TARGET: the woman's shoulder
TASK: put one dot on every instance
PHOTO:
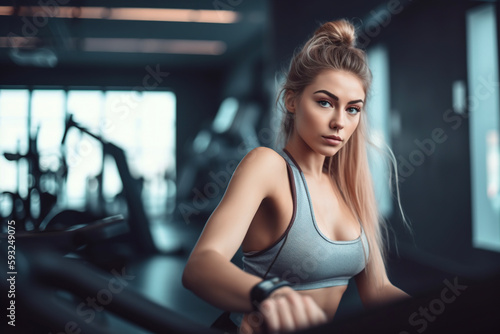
(263, 170)
(259, 173)
(262, 165)
(264, 158)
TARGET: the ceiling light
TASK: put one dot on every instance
(133, 14)
(19, 42)
(135, 45)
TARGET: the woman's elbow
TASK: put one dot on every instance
(188, 276)
(193, 271)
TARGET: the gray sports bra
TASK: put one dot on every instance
(303, 255)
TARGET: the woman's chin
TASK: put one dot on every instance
(329, 151)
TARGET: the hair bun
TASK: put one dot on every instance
(340, 32)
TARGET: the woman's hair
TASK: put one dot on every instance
(333, 47)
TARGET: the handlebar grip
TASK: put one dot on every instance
(13, 156)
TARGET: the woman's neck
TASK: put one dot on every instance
(310, 162)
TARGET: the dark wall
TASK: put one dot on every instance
(427, 50)
(435, 190)
(198, 99)
(427, 53)
(295, 21)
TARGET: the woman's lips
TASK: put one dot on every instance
(333, 140)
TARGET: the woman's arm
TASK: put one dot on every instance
(209, 272)
(374, 287)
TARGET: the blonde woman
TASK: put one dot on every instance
(305, 215)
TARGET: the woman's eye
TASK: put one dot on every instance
(353, 110)
(325, 104)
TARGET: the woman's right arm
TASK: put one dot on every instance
(209, 272)
(212, 276)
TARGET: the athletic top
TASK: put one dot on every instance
(303, 255)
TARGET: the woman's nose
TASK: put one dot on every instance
(338, 119)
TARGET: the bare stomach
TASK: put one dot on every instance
(328, 300)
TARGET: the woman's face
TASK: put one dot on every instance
(328, 111)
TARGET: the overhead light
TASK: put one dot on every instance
(136, 45)
(132, 14)
(132, 45)
(6, 10)
(19, 42)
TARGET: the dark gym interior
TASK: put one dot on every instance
(121, 123)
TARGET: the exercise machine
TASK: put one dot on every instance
(56, 291)
(138, 220)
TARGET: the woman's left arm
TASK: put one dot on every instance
(374, 287)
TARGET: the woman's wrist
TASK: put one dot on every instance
(281, 291)
(265, 289)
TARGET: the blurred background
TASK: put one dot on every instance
(141, 111)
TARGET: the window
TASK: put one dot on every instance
(378, 116)
(142, 124)
(482, 66)
(13, 138)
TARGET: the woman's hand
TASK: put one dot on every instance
(285, 310)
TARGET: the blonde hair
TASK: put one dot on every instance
(333, 46)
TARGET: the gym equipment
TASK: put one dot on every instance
(23, 210)
(69, 238)
(36, 211)
(216, 149)
(57, 293)
(137, 218)
(457, 306)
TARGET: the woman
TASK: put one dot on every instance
(305, 216)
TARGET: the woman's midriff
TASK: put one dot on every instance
(328, 300)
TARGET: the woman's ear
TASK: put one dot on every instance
(290, 101)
